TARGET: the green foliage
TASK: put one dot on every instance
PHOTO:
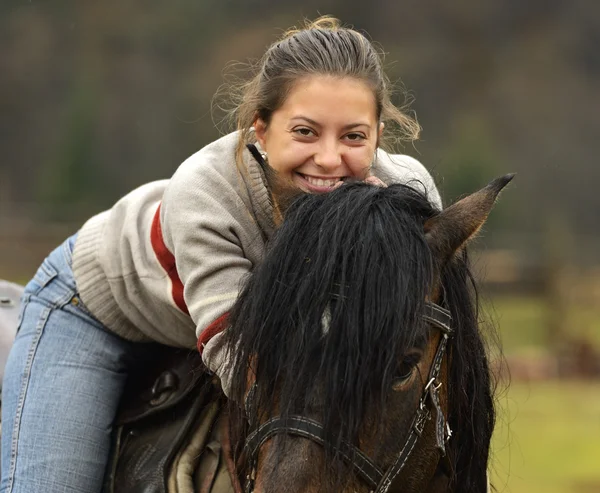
(68, 177)
(470, 162)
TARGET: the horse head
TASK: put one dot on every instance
(357, 351)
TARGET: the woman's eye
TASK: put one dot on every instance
(354, 137)
(304, 132)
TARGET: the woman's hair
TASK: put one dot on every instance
(322, 47)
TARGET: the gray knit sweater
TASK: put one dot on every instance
(169, 258)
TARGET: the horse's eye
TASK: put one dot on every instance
(406, 368)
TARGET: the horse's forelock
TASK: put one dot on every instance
(357, 255)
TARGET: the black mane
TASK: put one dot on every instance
(357, 257)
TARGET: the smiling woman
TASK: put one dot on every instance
(326, 131)
(166, 263)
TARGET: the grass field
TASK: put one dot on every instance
(548, 433)
(548, 438)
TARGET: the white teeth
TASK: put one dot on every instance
(318, 182)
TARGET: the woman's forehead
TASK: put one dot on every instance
(319, 99)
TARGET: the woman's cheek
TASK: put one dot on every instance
(293, 160)
(361, 169)
(359, 161)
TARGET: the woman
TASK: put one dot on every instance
(166, 263)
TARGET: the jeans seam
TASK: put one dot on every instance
(68, 254)
(22, 394)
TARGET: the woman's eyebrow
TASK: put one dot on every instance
(317, 124)
(306, 119)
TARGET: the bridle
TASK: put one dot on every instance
(379, 481)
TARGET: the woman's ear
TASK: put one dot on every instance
(260, 130)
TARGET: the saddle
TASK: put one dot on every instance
(171, 434)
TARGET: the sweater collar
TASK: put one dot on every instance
(260, 196)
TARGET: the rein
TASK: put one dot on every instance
(379, 481)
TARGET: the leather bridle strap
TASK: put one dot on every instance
(422, 415)
(307, 428)
(438, 316)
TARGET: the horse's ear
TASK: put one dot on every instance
(452, 228)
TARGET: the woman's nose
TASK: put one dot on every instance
(329, 156)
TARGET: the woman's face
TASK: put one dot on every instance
(325, 131)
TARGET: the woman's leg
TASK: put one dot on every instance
(62, 385)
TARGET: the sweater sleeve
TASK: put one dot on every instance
(205, 224)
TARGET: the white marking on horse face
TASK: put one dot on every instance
(326, 320)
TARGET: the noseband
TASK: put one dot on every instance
(379, 481)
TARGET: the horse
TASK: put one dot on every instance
(356, 348)
(357, 362)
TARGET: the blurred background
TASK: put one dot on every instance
(97, 98)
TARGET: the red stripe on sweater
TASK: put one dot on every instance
(212, 330)
(167, 262)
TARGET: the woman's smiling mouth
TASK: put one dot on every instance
(317, 184)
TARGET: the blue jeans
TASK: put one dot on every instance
(63, 380)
